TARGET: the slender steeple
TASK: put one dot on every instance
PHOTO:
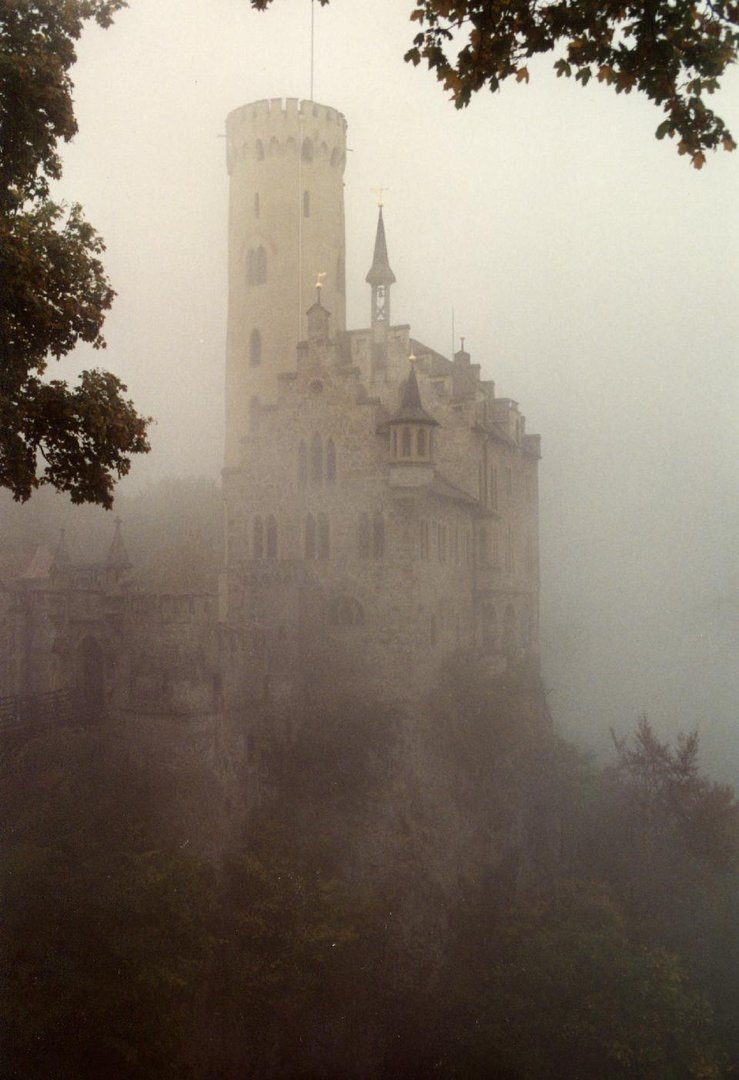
(118, 559)
(380, 277)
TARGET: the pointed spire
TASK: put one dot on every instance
(61, 555)
(117, 555)
(411, 408)
(380, 273)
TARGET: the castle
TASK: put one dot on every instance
(377, 494)
(380, 500)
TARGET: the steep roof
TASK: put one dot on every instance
(380, 273)
(117, 555)
(411, 410)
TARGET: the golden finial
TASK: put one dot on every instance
(378, 191)
(320, 275)
(412, 358)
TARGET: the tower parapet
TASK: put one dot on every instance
(286, 162)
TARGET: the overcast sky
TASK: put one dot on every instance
(593, 272)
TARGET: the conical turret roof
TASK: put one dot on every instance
(117, 555)
(411, 410)
(380, 272)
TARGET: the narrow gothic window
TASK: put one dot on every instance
(258, 546)
(509, 629)
(310, 537)
(509, 550)
(526, 634)
(256, 204)
(324, 543)
(489, 628)
(509, 481)
(302, 465)
(378, 537)
(424, 541)
(271, 538)
(421, 442)
(260, 266)
(395, 442)
(330, 462)
(442, 543)
(306, 204)
(340, 274)
(496, 548)
(494, 488)
(483, 546)
(363, 536)
(316, 461)
(406, 448)
(432, 630)
(255, 348)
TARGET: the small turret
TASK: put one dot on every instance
(411, 427)
(118, 560)
(318, 316)
(380, 277)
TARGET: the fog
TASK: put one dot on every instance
(592, 272)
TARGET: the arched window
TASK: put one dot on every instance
(344, 611)
(302, 465)
(509, 629)
(260, 150)
(433, 635)
(509, 558)
(256, 204)
(421, 442)
(341, 274)
(260, 266)
(258, 545)
(307, 150)
(271, 537)
(482, 540)
(306, 204)
(526, 629)
(378, 536)
(324, 539)
(489, 628)
(364, 536)
(406, 442)
(395, 442)
(330, 462)
(494, 487)
(255, 348)
(316, 461)
(310, 537)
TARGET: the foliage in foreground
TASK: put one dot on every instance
(673, 51)
(54, 291)
(125, 955)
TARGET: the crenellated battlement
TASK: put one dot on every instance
(284, 127)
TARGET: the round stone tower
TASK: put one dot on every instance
(286, 226)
